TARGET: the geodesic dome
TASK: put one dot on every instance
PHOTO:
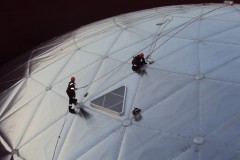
(189, 97)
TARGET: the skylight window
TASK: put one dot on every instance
(112, 102)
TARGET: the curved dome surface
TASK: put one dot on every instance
(189, 97)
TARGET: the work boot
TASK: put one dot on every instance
(76, 110)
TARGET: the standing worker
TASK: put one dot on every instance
(71, 94)
(138, 61)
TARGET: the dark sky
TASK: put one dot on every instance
(27, 23)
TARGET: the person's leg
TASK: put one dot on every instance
(70, 109)
(74, 99)
(136, 68)
(70, 95)
(142, 63)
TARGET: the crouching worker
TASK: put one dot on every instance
(138, 61)
(71, 94)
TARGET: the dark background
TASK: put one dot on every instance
(25, 24)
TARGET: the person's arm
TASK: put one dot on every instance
(75, 87)
(143, 59)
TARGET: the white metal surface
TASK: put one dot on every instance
(189, 97)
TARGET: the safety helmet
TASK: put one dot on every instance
(72, 78)
(141, 55)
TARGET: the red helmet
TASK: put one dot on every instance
(72, 78)
(141, 55)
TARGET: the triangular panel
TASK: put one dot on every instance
(211, 28)
(179, 109)
(229, 36)
(150, 25)
(7, 96)
(228, 72)
(219, 103)
(28, 92)
(128, 38)
(154, 143)
(129, 99)
(216, 152)
(79, 61)
(42, 146)
(212, 56)
(229, 13)
(126, 54)
(157, 86)
(107, 149)
(163, 46)
(226, 135)
(83, 77)
(102, 46)
(49, 74)
(110, 73)
(87, 131)
(52, 106)
(183, 61)
(39, 62)
(13, 128)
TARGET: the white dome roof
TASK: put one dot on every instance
(189, 97)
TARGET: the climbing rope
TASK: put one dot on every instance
(59, 136)
(187, 24)
(166, 22)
